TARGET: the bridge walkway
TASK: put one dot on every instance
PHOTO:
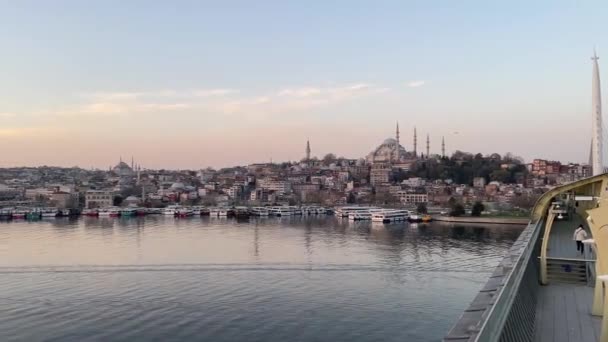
(561, 244)
(563, 314)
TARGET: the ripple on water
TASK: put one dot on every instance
(317, 279)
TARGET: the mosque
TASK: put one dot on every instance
(391, 151)
(123, 169)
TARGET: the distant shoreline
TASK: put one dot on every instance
(485, 220)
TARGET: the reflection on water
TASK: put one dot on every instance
(296, 279)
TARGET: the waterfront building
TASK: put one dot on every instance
(98, 199)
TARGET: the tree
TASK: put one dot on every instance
(457, 210)
(117, 201)
(421, 208)
(329, 158)
(350, 199)
(477, 209)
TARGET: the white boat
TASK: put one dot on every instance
(222, 212)
(19, 213)
(50, 212)
(184, 212)
(362, 215)
(345, 211)
(171, 210)
(109, 212)
(296, 211)
(259, 211)
(390, 215)
(281, 211)
(90, 212)
(196, 211)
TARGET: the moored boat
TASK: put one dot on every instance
(90, 212)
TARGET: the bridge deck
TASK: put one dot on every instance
(561, 244)
(563, 314)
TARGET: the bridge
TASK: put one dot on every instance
(544, 289)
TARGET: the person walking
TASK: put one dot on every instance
(579, 235)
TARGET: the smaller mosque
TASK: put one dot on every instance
(122, 169)
(391, 151)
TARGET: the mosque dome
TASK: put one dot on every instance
(390, 141)
(177, 185)
(122, 169)
(388, 151)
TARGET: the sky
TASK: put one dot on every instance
(192, 84)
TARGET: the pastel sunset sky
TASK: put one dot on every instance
(191, 84)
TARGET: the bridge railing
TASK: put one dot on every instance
(505, 308)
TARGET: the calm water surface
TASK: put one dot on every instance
(298, 279)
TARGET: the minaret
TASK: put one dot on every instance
(397, 149)
(415, 143)
(442, 147)
(132, 163)
(597, 166)
(428, 145)
(308, 150)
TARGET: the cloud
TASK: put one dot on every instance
(6, 115)
(214, 92)
(416, 84)
(103, 96)
(217, 100)
(27, 132)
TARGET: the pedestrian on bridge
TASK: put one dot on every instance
(579, 235)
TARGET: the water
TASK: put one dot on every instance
(299, 279)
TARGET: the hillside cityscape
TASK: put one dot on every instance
(388, 176)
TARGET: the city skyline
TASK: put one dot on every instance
(172, 86)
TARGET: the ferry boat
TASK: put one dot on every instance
(420, 218)
(64, 213)
(50, 212)
(19, 214)
(388, 216)
(345, 211)
(281, 211)
(184, 212)
(363, 215)
(196, 211)
(128, 212)
(90, 212)
(34, 214)
(259, 211)
(171, 210)
(6, 213)
(296, 211)
(109, 212)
